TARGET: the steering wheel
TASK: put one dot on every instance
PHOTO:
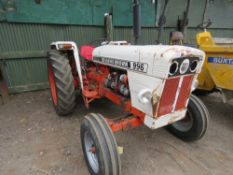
(97, 42)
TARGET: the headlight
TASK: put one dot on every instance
(173, 68)
(144, 96)
(184, 66)
(193, 66)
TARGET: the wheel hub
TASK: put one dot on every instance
(185, 124)
(90, 150)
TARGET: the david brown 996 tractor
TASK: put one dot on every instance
(152, 84)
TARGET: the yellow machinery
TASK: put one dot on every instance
(217, 72)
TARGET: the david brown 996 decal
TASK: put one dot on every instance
(136, 66)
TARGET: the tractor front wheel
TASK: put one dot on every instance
(99, 146)
(61, 83)
(194, 125)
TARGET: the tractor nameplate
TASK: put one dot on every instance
(136, 66)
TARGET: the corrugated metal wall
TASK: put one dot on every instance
(23, 48)
(25, 74)
(77, 12)
(23, 51)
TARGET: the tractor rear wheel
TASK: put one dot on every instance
(99, 146)
(61, 83)
(194, 125)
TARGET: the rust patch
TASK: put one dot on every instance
(183, 51)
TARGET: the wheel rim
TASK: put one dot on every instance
(52, 84)
(90, 151)
(185, 124)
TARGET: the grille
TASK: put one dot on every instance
(184, 92)
(168, 96)
(174, 96)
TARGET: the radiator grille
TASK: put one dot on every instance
(174, 96)
(184, 92)
(168, 96)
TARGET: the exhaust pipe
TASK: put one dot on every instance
(136, 20)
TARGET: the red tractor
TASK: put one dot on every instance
(152, 84)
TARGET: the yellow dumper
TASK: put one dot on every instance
(217, 72)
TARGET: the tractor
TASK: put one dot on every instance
(152, 84)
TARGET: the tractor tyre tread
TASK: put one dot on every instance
(64, 83)
(106, 143)
(201, 121)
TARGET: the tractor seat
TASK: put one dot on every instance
(176, 38)
(86, 52)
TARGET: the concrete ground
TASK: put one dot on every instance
(35, 141)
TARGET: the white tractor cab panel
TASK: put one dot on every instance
(149, 59)
(159, 77)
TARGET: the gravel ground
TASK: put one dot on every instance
(35, 141)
